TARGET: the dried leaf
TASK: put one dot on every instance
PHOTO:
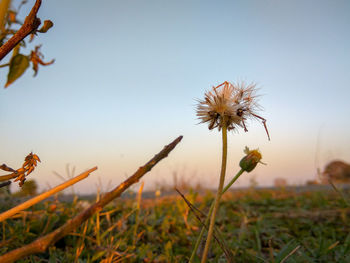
(47, 25)
(35, 58)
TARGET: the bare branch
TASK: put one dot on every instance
(31, 23)
(41, 244)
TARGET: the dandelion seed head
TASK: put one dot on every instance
(230, 103)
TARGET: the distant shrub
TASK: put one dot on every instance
(338, 171)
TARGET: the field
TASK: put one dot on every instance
(254, 225)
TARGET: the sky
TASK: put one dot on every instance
(127, 75)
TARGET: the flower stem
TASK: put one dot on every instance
(218, 193)
(209, 214)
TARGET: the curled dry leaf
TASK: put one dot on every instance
(36, 58)
(46, 26)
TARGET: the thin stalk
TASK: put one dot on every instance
(218, 193)
(97, 228)
(339, 192)
(209, 214)
(5, 184)
(4, 6)
(137, 214)
(8, 176)
(232, 181)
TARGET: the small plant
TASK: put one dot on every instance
(247, 164)
(227, 107)
(13, 39)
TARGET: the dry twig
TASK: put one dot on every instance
(42, 243)
(31, 23)
(45, 195)
(5, 184)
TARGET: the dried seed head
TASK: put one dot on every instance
(232, 103)
(30, 162)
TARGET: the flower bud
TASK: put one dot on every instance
(252, 158)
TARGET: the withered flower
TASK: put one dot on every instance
(232, 103)
(30, 162)
(227, 107)
(37, 59)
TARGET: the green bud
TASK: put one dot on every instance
(252, 158)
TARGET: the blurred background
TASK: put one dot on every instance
(127, 75)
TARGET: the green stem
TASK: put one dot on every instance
(218, 193)
(339, 192)
(232, 181)
(208, 216)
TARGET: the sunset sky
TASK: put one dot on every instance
(127, 75)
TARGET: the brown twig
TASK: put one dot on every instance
(31, 23)
(8, 176)
(291, 253)
(5, 184)
(41, 244)
(44, 195)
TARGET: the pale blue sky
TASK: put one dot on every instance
(127, 74)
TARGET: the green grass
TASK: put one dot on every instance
(257, 226)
